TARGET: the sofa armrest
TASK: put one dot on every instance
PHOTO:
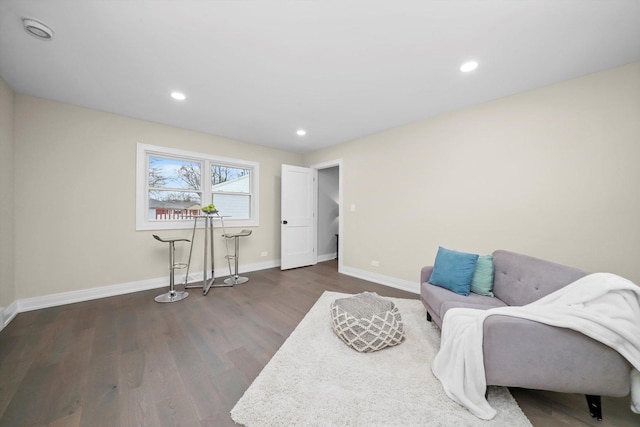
(425, 273)
(523, 353)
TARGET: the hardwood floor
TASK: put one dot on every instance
(129, 361)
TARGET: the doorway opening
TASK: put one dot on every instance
(329, 212)
(305, 215)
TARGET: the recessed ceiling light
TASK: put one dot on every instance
(301, 132)
(468, 66)
(37, 29)
(179, 96)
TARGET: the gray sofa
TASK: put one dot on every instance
(523, 353)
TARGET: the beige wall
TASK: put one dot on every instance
(7, 288)
(75, 198)
(552, 173)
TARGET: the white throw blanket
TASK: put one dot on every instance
(602, 306)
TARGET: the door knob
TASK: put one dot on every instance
(285, 222)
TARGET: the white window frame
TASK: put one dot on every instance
(142, 190)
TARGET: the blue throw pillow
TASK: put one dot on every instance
(453, 270)
(482, 281)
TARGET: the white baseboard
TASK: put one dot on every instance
(8, 314)
(405, 285)
(224, 271)
(62, 298)
(327, 257)
(45, 301)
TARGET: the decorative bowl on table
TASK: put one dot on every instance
(209, 210)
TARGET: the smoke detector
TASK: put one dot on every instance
(37, 29)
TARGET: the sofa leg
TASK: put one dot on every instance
(595, 406)
(428, 317)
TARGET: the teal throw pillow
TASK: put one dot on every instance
(482, 281)
(453, 270)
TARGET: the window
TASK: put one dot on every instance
(172, 185)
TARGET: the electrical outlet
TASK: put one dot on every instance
(375, 263)
(263, 253)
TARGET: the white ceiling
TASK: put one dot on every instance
(256, 71)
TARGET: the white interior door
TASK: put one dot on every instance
(298, 221)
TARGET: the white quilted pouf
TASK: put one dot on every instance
(367, 322)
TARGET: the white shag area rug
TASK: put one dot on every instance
(316, 380)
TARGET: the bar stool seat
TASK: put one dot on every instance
(235, 279)
(172, 295)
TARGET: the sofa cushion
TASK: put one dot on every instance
(436, 297)
(521, 279)
(453, 270)
(478, 305)
(482, 282)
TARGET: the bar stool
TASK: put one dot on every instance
(172, 295)
(235, 279)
